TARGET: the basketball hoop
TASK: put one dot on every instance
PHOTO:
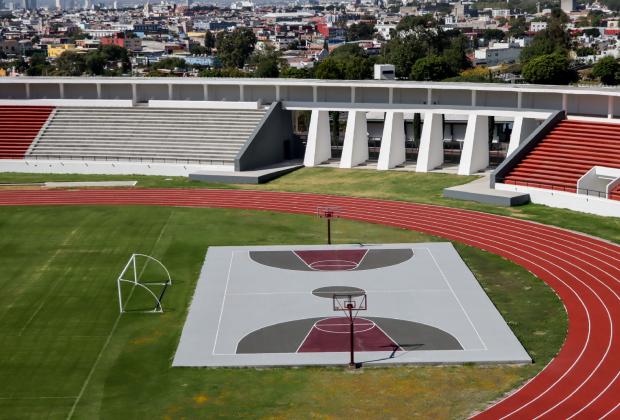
(350, 304)
(328, 213)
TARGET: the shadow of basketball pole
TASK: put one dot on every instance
(406, 347)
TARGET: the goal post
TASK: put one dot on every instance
(132, 273)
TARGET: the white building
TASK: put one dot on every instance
(384, 29)
(497, 53)
(538, 26)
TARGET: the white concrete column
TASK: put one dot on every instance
(473, 97)
(205, 91)
(352, 94)
(610, 106)
(27, 90)
(521, 129)
(392, 151)
(278, 96)
(565, 102)
(318, 146)
(134, 93)
(170, 92)
(241, 93)
(475, 153)
(429, 96)
(355, 148)
(519, 100)
(315, 94)
(99, 91)
(390, 95)
(61, 90)
(430, 154)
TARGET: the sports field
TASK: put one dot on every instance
(68, 353)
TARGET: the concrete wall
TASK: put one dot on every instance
(108, 168)
(272, 142)
(565, 200)
(575, 100)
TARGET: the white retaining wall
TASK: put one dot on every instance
(105, 168)
(566, 200)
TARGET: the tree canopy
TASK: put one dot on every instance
(607, 70)
(348, 62)
(234, 48)
(431, 68)
(360, 31)
(551, 69)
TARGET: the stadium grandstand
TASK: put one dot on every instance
(558, 146)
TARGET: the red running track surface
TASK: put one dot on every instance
(581, 382)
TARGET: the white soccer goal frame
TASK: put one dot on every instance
(131, 264)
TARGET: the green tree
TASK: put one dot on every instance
(493, 34)
(594, 32)
(266, 63)
(554, 39)
(95, 63)
(235, 48)
(70, 63)
(328, 69)
(456, 54)
(360, 31)
(518, 27)
(607, 70)
(348, 62)
(431, 68)
(38, 65)
(551, 69)
(209, 42)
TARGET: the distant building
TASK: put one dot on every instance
(567, 6)
(497, 53)
(384, 29)
(121, 40)
(384, 72)
(538, 26)
(30, 4)
(55, 50)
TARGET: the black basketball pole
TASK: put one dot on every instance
(329, 231)
(351, 336)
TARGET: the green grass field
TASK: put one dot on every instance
(66, 352)
(393, 185)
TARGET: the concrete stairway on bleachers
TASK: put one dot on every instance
(19, 126)
(197, 136)
(570, 150)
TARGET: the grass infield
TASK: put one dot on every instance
(66, 352)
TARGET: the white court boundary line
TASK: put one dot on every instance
(219, 322)
(445, 279)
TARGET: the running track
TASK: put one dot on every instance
(581, 382)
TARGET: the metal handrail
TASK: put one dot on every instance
(555, 187)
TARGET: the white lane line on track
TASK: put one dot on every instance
(610, 411)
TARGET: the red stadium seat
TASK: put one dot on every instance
(570, 150)
(19, 126)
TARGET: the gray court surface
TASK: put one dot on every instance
(272, 306)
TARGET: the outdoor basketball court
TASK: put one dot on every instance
(273, 305)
